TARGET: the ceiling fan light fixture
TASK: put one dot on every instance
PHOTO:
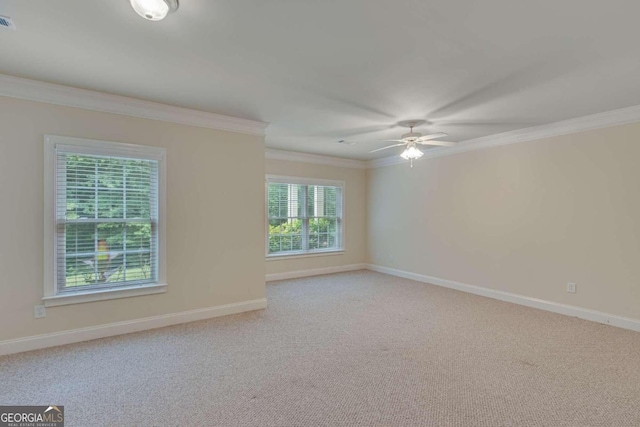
(411, 153)
(154, 10)
(411, 139)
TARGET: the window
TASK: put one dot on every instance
(304, 216)
(103, 221)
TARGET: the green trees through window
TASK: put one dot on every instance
(304, 218)
(107, 219)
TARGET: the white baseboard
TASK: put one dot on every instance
(314, 272)
(568, 310)
(101, 331)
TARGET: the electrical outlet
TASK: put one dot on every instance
(571, 288)
(39, 311)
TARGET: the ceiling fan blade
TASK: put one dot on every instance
(439, 143)
(384, 148)
(393, 140)
(432, 136)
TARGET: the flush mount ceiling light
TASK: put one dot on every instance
(154, 10)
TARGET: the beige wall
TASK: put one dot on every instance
(354, 209)
(215, 210)
(524, 218)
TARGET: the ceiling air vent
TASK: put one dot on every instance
(6, 22)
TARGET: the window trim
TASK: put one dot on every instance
(281, 179)
(96, 147)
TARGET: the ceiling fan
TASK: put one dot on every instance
(412, 139)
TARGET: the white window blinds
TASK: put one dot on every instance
(106, 209)
(303, 217)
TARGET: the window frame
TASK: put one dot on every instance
(52, 296)
(280, 179)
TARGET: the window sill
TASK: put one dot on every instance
(104, 294)
(277, 257)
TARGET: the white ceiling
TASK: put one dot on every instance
(325, 70)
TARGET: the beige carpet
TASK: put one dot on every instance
(353, 349)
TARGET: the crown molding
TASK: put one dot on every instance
(387, 161)
(581, 124)
(317, 159)
(33, 90)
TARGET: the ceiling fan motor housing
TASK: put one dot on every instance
(411, 136)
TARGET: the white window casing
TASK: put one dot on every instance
(304, 217)
(115, 248)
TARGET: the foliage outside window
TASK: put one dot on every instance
(106, 212)
(303, 218)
